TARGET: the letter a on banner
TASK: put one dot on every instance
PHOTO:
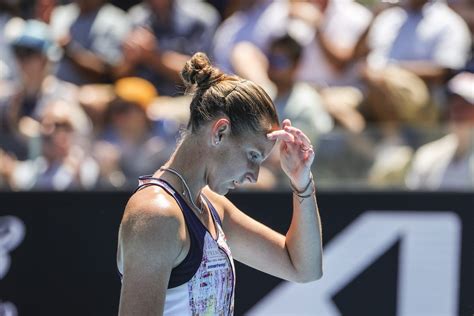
(429, 265)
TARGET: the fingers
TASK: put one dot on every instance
(293, 139)
(291, 135)
(301, 138)
(281, 135)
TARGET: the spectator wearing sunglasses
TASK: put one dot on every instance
(293, 98)
(64, 162)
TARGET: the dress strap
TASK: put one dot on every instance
(214, 213)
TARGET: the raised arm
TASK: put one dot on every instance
(298, 255)
(149, 244)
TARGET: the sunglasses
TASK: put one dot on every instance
(279, 61)
(51, 127)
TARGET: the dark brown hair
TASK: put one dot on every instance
(246, 104)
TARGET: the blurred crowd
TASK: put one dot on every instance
(91, 98)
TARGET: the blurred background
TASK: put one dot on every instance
(91, 98)
(90, 94)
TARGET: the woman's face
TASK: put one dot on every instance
(237, 160)
(57, 134)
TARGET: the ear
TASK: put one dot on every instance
(220, 129)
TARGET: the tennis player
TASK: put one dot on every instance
(179, 233)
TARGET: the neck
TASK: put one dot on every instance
(185, 160)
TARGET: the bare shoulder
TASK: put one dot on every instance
(151, 218)
(152, 205)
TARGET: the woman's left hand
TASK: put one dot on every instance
(296, 153)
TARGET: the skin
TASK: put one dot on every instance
(153, 238)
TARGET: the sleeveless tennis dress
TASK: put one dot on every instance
(204, 282)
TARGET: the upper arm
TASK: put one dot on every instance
(246, 237)
(150, 243)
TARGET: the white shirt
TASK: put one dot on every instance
(435, 34)
(434, 167)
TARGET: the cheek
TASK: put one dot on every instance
(232, 164)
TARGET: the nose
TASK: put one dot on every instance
(252, 175)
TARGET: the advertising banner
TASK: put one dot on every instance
(385, 253)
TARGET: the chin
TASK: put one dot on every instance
(223, 190)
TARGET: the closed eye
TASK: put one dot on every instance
(254, 156)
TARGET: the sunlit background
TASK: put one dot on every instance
(90, 94)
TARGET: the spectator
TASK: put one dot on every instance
(90, 33)
(129, 146)
(448, 163)
(165, 34)
(64, 162)
(294, 99)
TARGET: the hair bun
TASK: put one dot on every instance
(199, 70)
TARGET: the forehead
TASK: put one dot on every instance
(257, 141)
